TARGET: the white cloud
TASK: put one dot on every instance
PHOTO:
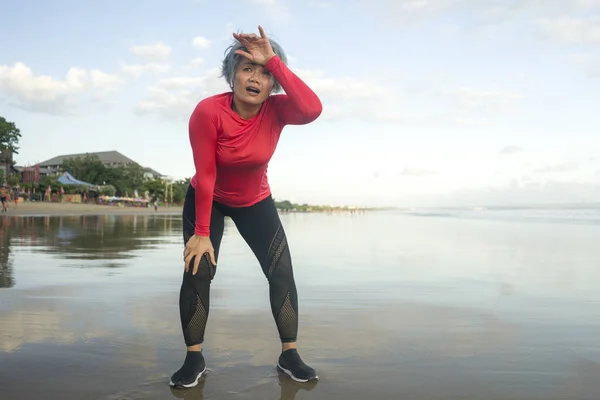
(196, 62)
(566, 166)
(76, 77)
(507, 150)
(370, 100)
(346, 98)
(472, 97)
(478, 179)
(467, 105)
(349, 97)
(588, 63)
(539, 167)
(176, 97)
(152, 53)
(45, 94)
(137, 70)
(321, 4)
(192, 65)
(571, 30)
(200, 42)
(152, 58)
(582, 59)
(278, 10)
(267, 2)
(417, 172)
(103, 80)
(414, 11)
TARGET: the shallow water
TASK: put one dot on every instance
(393, 306)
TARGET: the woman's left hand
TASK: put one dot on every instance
(259, 48)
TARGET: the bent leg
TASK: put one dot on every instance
(261, 228)
(194, 296)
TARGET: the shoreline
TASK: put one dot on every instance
(60, 209)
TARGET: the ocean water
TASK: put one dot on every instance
(420, 304)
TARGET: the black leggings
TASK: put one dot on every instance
(261, 228)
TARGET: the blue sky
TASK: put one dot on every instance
(448, 102)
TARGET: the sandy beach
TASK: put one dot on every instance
(45, 208)
(391, 307)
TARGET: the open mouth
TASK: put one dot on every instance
(252, 90)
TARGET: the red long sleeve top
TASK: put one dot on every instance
(231, 154)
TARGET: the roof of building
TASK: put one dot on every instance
(104, 156)
(152, 171)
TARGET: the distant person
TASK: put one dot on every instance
(155, 205)
(4, 199)
(235, 134)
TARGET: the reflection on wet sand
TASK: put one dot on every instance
(288, 389)
(6, 274)
(276, 387)
(91, 237)
(117, 336)
(132, 343)
(107, 237)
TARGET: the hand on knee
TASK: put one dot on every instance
(205, 268)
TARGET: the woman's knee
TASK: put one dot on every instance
(205, 271)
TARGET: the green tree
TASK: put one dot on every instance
(284, 205)
(126, 179)
(180, 188)
(9, 136)
(12, 180)
(155, 189)
(108, 190)
(48, 181)
(134, 175)
(88, 169)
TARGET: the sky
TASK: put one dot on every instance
(426, 102)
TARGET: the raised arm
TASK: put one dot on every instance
(300, 105)
(203, 138)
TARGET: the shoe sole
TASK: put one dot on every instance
(190, 385)
(289, 373)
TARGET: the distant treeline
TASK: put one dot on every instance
(286, 205)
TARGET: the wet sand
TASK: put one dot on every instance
(457, 310)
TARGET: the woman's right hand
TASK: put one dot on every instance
(197, 246)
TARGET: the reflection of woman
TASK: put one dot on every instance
(233, 136)
(288, 390)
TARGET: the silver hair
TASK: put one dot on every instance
(232, 61)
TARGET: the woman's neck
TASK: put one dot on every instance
(244, 110)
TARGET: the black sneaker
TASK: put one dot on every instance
(192, 370)
(291, 364)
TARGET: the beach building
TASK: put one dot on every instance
(111, 158)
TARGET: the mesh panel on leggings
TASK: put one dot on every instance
(287, 320)
(194, 301)
(282, 288)
(276, 249)
(194, 330)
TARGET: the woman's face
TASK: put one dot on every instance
(253, 83)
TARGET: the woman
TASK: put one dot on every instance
(233, 136)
